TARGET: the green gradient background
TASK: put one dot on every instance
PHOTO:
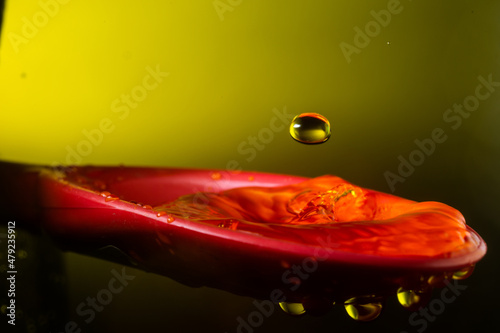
(225, 79)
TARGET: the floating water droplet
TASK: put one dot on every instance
(294, 309)
(464, 273)
(310, 128)
(363, 308)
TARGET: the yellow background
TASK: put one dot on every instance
(225, 79)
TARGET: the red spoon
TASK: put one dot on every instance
(246, 240)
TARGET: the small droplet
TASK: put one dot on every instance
(437, 281)
(104, 194)
(170, 219)
(363, 308)
(412, 299)
(111, 197)
(229, 224)
(464, 273)
(147, 207)
(310, 128)
(161, 213)
(216, 175)
(294, 309)
(251, 178)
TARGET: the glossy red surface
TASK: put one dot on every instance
(86, 209)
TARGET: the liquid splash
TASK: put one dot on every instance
(354, 219)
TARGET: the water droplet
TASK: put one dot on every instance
(216, 175)
(437, 281)
(170, 219)
(363, 308)
(147, 207)
(161, 213)
(228, 224)
(464, 273)
(105, 194)
(111, 197)
(294, 309)
(412, 299)
(108, 196)
(310, 128)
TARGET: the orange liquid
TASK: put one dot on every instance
(351, 218)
